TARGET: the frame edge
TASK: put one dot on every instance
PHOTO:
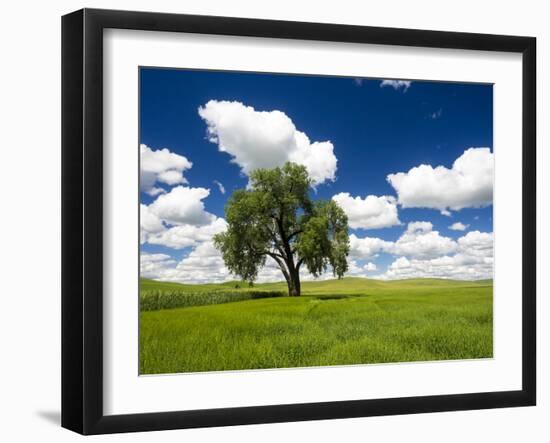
(529, 220)
(72, 222)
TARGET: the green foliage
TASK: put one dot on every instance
(276, 218)
(325, 239)
(336, 322)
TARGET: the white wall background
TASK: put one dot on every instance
(30, 219)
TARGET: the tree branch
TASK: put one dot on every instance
(274, 254)
(299, 231)
(282, 266)
(276, 243)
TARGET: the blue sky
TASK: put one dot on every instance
(369, 128)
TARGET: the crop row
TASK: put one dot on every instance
(154, 300)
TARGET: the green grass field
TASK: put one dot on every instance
(334, 322)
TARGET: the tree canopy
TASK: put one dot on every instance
(275, 217)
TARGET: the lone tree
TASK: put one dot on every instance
(275, 217)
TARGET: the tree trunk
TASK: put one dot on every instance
(292, 290)
(293, 279)
(294, 286)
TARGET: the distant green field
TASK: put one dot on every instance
(334, 322)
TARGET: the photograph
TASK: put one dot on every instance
(294, 221)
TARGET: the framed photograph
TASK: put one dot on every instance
(269, 221)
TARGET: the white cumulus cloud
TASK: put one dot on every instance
(161, 166)
(182, 205)
(204, 264)
(370, 267)
(148, 223)
(265, 139)
(153, 265)
(178, 219)
(457, 267)
(458, 226)
(355, 269)
(479, 244)
(396, 84)
(182, 236)
(473, 260)
(469, 183)
(367, 247)
(421, 241)
(371, 212)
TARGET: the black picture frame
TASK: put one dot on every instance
(82, 218)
